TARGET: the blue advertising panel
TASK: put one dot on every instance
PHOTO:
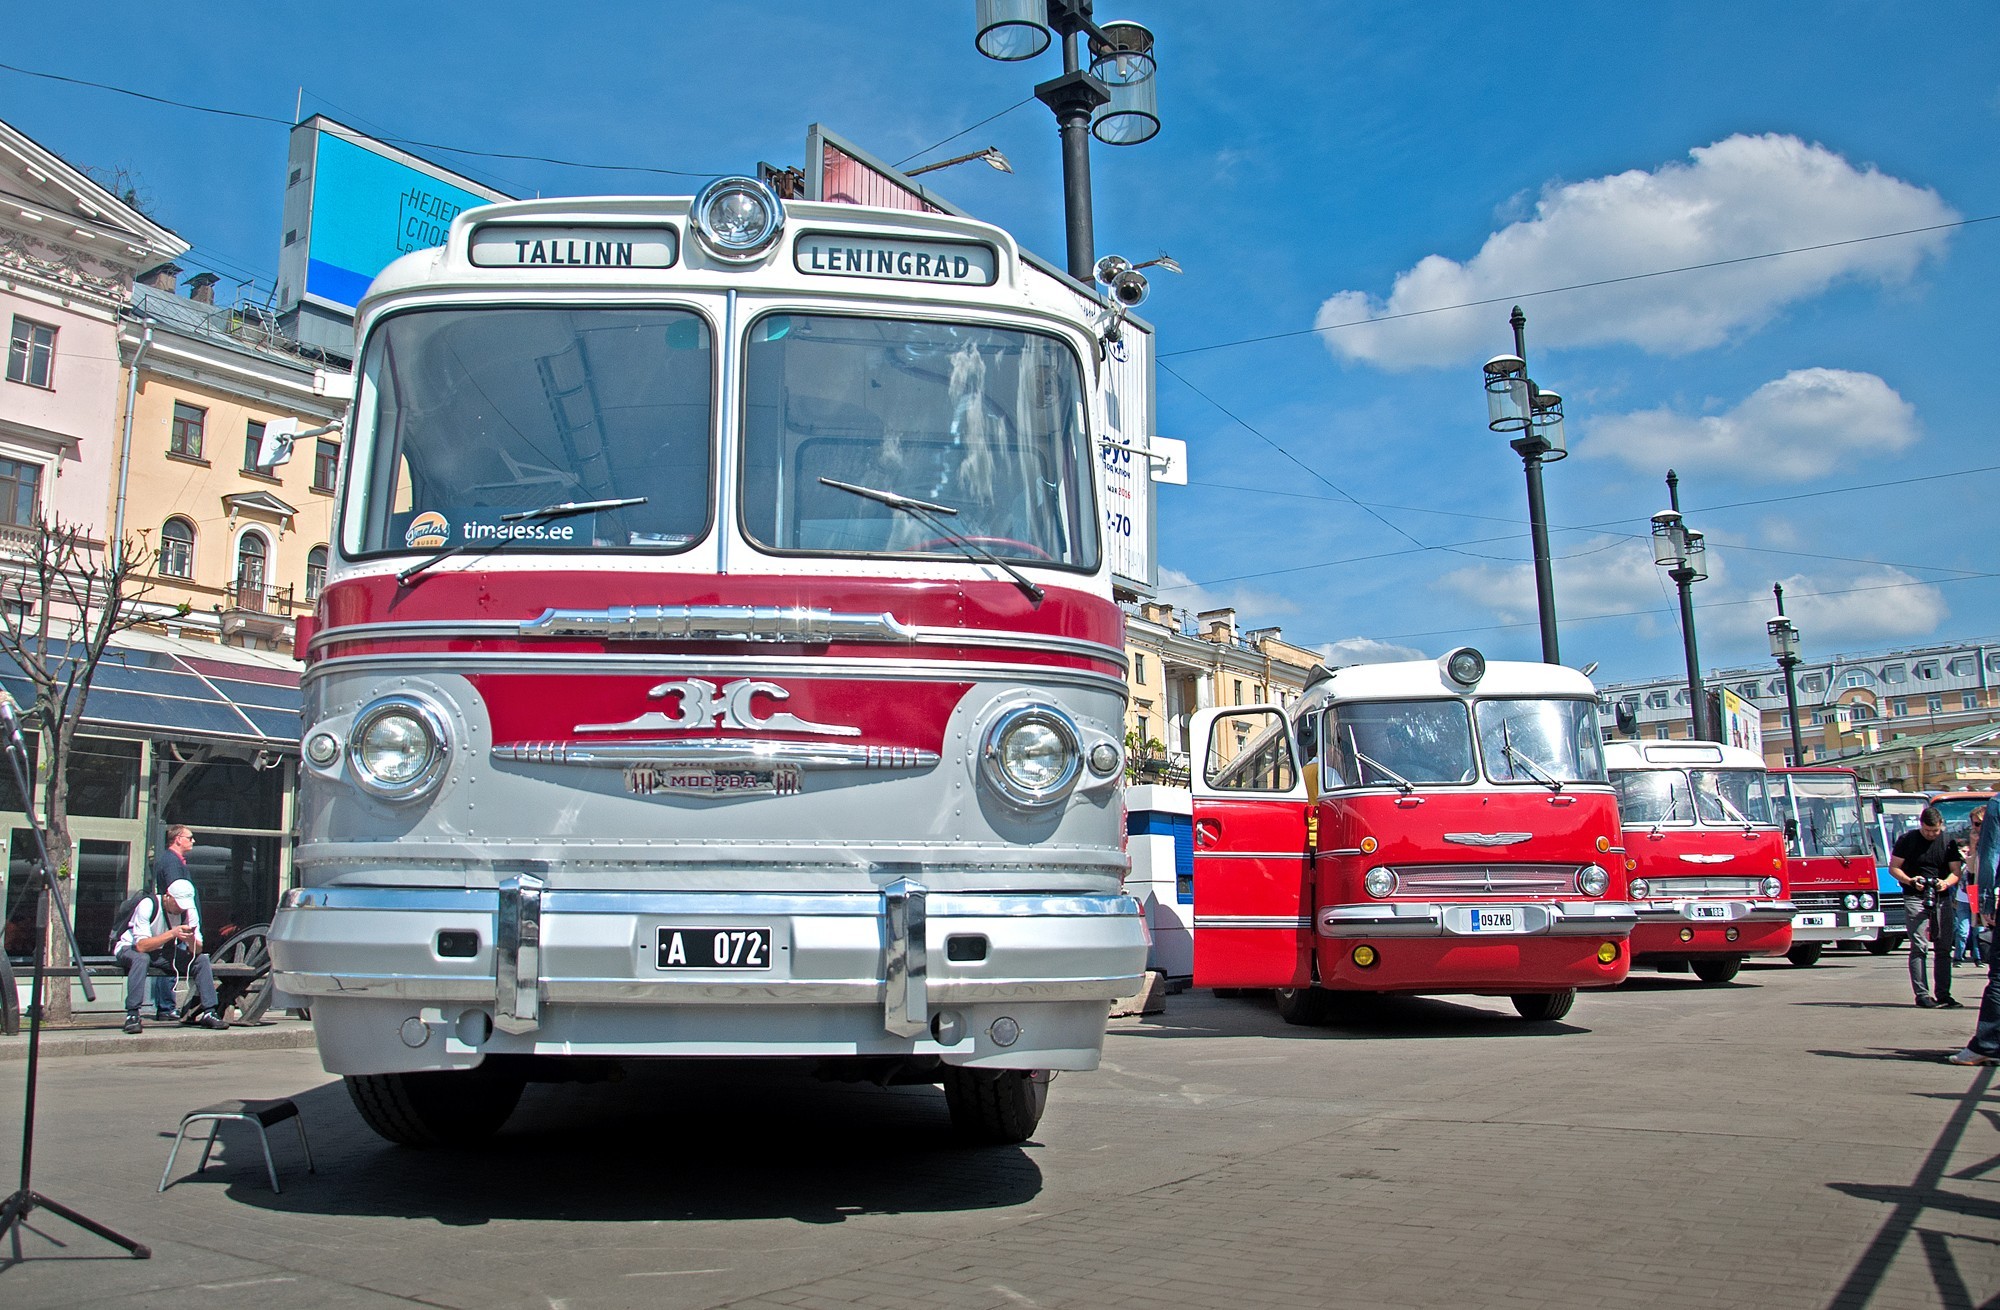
(367, 210)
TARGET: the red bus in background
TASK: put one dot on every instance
(1412, 827)
(1706, 853)
(1829, 868)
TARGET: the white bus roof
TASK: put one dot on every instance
(1415, 679)
(1679, 755)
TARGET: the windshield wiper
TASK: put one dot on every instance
(561, 510)
(1536, 771)
(925, 512)
(1377, 765)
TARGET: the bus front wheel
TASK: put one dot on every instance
(1308, 1007)
(1806, 954)
(1544, 1007)
(1718, 971)
(436, 1108)
(995, 1107)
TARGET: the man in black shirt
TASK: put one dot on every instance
(1927, 863)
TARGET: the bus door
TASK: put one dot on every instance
(1253, 903)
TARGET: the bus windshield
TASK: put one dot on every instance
(1392, 743)
(1545, 741)
(1732, 796)
(985, 426)
(1828, 811)
(467, 416)
(1652, 796)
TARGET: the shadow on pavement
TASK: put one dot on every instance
(686, 1141)
(1924, 1196)
(1926, 1055)
(1376, 1018)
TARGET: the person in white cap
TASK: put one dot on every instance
(169, 924)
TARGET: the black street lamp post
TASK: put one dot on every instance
(1515, 404)
(1115, 99)
(1683, 554)
(1785, 648)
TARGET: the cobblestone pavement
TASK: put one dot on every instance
(1792, 1140)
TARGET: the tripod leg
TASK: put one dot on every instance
(139, 1250)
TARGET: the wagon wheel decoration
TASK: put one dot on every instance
(250, 996)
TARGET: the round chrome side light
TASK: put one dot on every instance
(1032, 755)
(398, 748)
(737, 218)
(1594, 881)
(322, 748)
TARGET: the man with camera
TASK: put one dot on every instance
(166, 926)
(1928, 863)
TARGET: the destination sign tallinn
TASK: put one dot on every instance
(517, 245)
(958, 262)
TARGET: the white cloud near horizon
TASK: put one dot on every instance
(1366, 650)
(1802, 425)
(1741, 196)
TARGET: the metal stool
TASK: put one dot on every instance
(261, 1113)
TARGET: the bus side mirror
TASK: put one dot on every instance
(1791, 830)
(1627, 719)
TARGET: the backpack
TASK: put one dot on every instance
(122, 916)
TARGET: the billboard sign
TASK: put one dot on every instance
(353, 205)
(1742, 723)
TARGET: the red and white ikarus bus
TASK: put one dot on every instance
(717, 657)
(1410, 827)
(1828, 866)
(1706, 853)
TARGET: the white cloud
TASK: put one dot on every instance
(1607, 575)
(1743, 196)
(1366, 650)
(1253, 608)
(1874, 603)
(1803, 425)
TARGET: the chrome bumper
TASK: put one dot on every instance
(1695, 910)
(1550, 919)
(538, 947)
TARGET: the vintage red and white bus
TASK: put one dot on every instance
(1419, 827)
(1829, 869)
(717, 658)
(1706, 853)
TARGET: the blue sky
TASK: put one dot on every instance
(1319, 164)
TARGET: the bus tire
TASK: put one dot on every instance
(1544, 1007)
(1806, 954)
(1719, 970)
(435, 1108)
(1886, 943)
(1308, 1007)
(995, 1107)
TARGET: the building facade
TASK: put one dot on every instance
(1179, 663)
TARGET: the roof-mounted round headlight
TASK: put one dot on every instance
(1464, 666)
(737, 218)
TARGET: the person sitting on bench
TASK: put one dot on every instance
(168, 927)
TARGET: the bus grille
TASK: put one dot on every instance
(1486, 880)
(1705, 886)
(1818, 900)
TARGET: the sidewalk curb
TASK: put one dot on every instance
(59, 1043)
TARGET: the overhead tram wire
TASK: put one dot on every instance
(1574, 286)
(956, 135)
(394, 141)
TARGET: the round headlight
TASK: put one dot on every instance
(1867, 901)
(397, 748)
(1641, 889)
(1851, 901)
(1032, 755)
(1378, 883)
(1465, 666)
(1771, 887)
(1593, 880)
(737, 218)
